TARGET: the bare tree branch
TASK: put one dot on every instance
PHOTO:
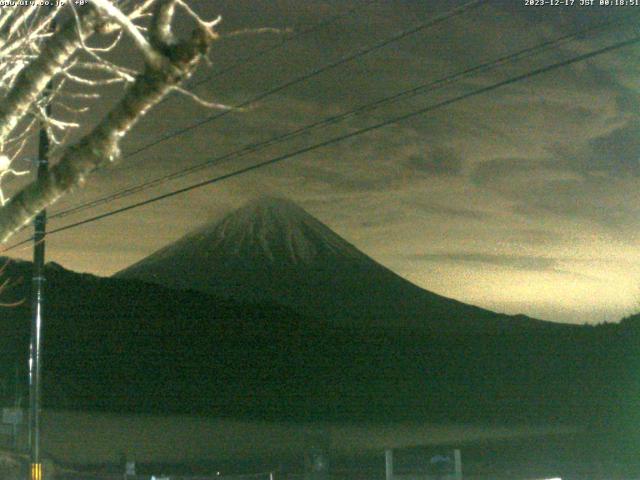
(34, 78)
(171, 62)
(150, 54)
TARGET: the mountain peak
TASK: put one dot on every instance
(277, 230)
(273, 214)
(265, 231)
(273, 249)
(275, 204)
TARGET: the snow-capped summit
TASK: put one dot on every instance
(266, 232)
(275, 230)
(271, 249)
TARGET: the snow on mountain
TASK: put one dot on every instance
(275, 230)
(271, 249)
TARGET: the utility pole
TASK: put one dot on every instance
(388, 464)
(37, 295)
(37, 300)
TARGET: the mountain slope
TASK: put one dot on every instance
(272, 249)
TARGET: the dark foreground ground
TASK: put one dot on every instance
(145, 364)
(245, 451)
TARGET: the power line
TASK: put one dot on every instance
(360, 53)
(341, 138)
(313, 73)
(432, 22)
(252, 148)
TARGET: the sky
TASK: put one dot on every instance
(524, 199)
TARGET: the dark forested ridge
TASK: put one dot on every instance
(123, 345)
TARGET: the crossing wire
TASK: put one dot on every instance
(315, 72)
(252, 148)
(400, 118)
(358, 54)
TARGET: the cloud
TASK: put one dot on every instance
(436, 160)
(526, 178)
(451, 211)
(596, 190)
(516, 262)
(617, 153)
(526, 175)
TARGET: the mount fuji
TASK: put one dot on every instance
(271, 249)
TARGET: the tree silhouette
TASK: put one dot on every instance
(46, 58)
